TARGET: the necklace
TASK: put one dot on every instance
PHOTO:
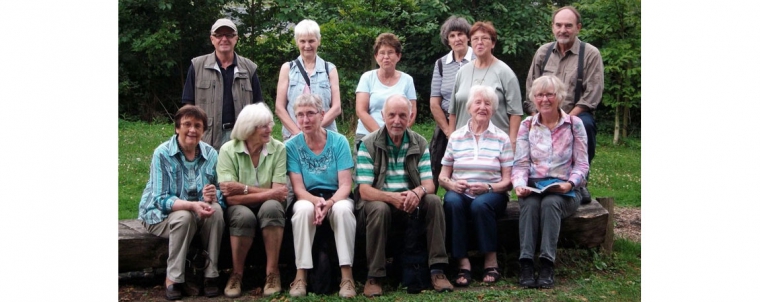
(480, 81)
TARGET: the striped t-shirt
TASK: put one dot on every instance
(478, 161)
(396, 179)
(442, 86)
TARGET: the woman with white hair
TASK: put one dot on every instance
(551, 150)
(476, 170)
(319, 166)
(307, 74)
(251, 171)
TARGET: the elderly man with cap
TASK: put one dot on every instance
(221, 83)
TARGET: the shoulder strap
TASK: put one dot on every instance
(303, 72)
(579, 79)
(546, 58)
(440, 67)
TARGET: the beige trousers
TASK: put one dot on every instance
(342, 222)
(180, 227)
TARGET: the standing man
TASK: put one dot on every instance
(221, 83)
(561, 59)
(394, 178)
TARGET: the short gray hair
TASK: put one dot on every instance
(397, 96)
(305, 28)
(306, 100)
(546, 81)
(485, 91)
(251, 117)
(454, 23)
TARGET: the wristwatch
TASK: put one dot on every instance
(423, 189)
(490, 188)
(245, 191)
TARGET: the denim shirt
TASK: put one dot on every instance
(320, 85)
(170, 180)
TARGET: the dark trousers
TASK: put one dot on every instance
(590, 125)
(540, 218)
(380, 217)
(437, 148)
(484, 211)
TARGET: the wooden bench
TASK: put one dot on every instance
(591, 226)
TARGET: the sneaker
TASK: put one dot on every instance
(347, 288)
(373, 288)
(527, 274)
(174, 291)
(210, 287)
(272, 285)
(298, 288)
(546, 274)
(440, 283)
(585, 195)
(232, 290)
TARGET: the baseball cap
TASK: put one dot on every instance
(223, 22)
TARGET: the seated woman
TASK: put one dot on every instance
(251, 173)
(476, 171)
(180, 199)
(319, 165)
(551, 148)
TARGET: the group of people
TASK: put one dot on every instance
(222, 167)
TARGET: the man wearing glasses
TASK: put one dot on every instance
(563, 59)
(221, 83)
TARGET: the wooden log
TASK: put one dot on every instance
(609, 204)
(139, 249)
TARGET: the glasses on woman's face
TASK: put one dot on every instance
(309, 114)
(545, 95)
(478, 39)
(267, 125)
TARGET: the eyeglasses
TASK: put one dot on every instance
(382, 54)
(192, 125)
(478, 39)
(229, 36)
(309, 114)
(546, 95)
(267, 125)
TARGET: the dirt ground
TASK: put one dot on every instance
(627, 226)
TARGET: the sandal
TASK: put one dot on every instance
(492, 272)
(466, 274)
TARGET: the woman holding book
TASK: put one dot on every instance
(551, 149)
(475, 171)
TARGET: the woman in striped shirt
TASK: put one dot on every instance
(476, 171)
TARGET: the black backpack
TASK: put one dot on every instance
(414, 258)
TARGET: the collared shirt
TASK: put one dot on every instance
(172, 177)
(320, 85)
(565, 67)
(559, 153)
(442, 86)
(396, 179)
(235, 164)
(478, 161)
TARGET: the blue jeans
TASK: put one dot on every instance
(484, 211)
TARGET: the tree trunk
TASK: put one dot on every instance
(616, 137)
(626, 117)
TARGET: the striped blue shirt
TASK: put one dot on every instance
(172, 177)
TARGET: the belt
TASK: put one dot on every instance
(227, 126)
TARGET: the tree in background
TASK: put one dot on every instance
(614, 26)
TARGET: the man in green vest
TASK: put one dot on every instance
(221, 83)
(394, 177)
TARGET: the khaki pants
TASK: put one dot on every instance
(380, 216)
(243, 221)
(180, 227)
(342, 222)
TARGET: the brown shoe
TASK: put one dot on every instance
(210, 287)
(273, 285)
(440, 283)
(347, 288)
(232, 290)
(373, 288)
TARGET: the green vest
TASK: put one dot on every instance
(209, 92)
